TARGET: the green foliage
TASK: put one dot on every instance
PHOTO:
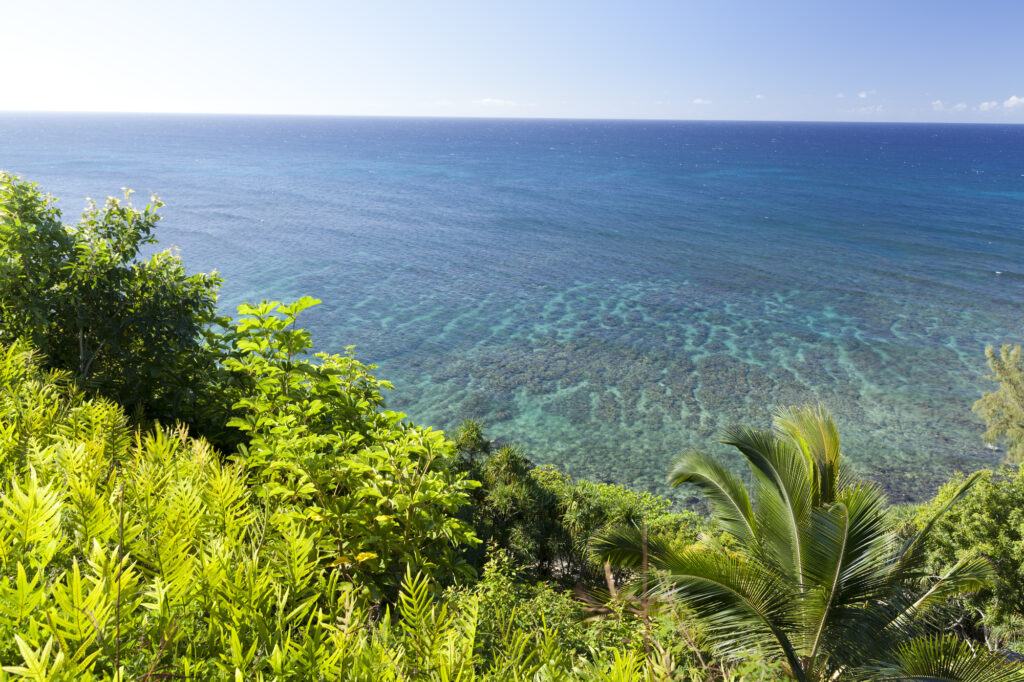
(480, 634)
(470, 441)
(816, 577)
(511, 510)
(138, 556)
(946, 657)
(512, 609)
(510, 606)
(1003, 409)
(127, 328)
(146, 556)
(990, 522)
(545, 519)
(373, 493)
(585, 509)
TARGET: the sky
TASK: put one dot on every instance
(821, 60)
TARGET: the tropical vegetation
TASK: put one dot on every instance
(185, 496)
(1003, 409)
(815, 576)
(125, 327)
(988, 522)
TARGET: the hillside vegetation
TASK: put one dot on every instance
(186, 496)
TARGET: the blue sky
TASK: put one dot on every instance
(900, 60)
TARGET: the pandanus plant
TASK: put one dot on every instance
(812, 572)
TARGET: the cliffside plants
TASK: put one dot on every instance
(988, 522)
(187, 497)
(126, 327)
(373, 492)
(815, 577)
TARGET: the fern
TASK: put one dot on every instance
(37, 664)
(30, 520)
(147, 556)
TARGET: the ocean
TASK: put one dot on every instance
(607, 294)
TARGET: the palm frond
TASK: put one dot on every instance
(813, 431)
(744, 604)
(783, 487)
(945, 658)
(729, 497)
(847, 558)
(624, 546)
(869, 546)
(968, 575)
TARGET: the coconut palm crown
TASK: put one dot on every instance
(811, 570)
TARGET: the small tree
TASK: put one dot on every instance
(1003, 409)
(127, 328)
(374, 492)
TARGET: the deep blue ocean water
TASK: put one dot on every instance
(606, 293)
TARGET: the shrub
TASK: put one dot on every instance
(585, 509)
(545, 519)
(127, 328)
(990, 522)
(511, 510)
(374, 492)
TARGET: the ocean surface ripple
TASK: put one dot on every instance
(607, 293)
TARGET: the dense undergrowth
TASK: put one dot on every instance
(189, 497)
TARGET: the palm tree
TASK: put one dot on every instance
(811, 572)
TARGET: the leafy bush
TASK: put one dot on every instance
(990, 522)
(545, 519)
(585, 509)
(374, 492)
(470, 441)
(511, 510)
(126, 328)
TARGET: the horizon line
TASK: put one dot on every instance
(490, 118)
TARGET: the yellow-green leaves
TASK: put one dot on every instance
(37, 664)
(30, 519)
(372, 492)
(1003, 409)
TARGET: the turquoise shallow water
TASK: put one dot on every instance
(606, 293)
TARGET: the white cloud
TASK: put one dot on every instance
(988, 106)
(877, 109)
(960, 106)
(758, 96)
(1013, 102)
(840, 95)
(701, 101)
(862, 94)
(495, 102)
(937, 105)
